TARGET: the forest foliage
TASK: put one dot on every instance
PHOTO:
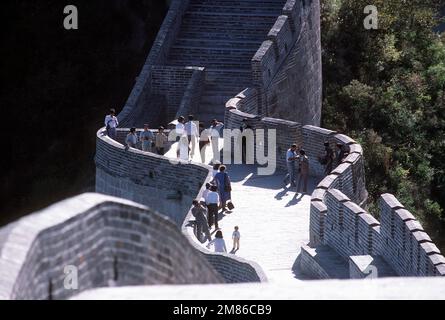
(385, 88)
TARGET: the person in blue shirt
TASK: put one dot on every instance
(147, 138)
(291, 160)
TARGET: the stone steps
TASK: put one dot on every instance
(219, 34)
(231, 22)
(223, 36)
(231, 9)
(247, 4)
(219, 43)
(322, 262)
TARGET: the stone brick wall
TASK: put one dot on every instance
(309, 263)
(399, 238)
(287, 67)
(107, 239)
(192, 96)
(180, 88)
(405, 245)
(167, 186)
(349, 228)
(231, 268)
(140, 95)
(169, 90)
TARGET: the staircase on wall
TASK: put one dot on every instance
(223, 36)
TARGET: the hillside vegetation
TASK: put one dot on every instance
(385, 88)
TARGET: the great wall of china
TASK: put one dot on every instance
(255, 60)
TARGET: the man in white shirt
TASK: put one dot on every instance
(206, 191)
(291, 158)
(111, 123)
(192, 133)
(180, 131)
(212, 202)
(180, 127)
(215, 129)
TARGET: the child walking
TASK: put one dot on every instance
(236, 236)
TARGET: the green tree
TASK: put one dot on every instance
(385, 88)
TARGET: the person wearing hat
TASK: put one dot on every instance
(111, 123)
(147, 137)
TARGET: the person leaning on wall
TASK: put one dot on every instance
(131, 140)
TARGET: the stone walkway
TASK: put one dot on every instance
(273, 221)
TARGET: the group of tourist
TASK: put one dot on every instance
(188, 133)
(298, 161)
(216, 196)
(331, 159)
(150, 142)
(294, 158)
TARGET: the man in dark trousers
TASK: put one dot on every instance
(200, 212)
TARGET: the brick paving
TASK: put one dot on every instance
(273, 221)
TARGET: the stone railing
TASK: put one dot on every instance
(108, 241)
(158, 54)
(168, 186)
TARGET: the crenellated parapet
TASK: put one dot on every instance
(286, 69)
